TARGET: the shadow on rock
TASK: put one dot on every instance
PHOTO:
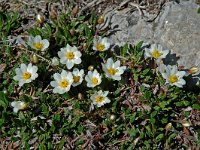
(171, 59)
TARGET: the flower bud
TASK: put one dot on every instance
(185, 123)
(193, 70)
(35, 59)
(84, 46)
(72, 32)
(53, 14)
(100, 20)
(168, 126)
(75, 11)
(80, 96)
(54, 61)
(91, 67)
(112, 117)
(40, 18)
(5, 91)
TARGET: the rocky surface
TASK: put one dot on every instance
(177, 27)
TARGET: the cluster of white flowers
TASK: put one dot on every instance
(70, 56)
(169, 73)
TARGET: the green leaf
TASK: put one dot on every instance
(153, 114)
(132, 132)
(87, 31)
(125, 49)
(160, 136)
(147, 95)
(152, 120)
(50, 146)
(42, 146)
(3, 100)
(196, 106)
(164, 120)
(1, 122)
(56, 117)
(149, 130)
(61, 143)
(48, 28)
(45, 109)
(132, 118)
(139, 45)
(145, 72)
(163, 104)
(156, 108)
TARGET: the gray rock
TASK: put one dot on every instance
(177, 28)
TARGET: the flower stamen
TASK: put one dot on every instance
(156, 54)
(38, 45)
(63, 83)
(112, 71)
(26, 75)
(76, 79)
(99, 99)
(94, 80)
(70, 55)
(173, 78)
(100, 46)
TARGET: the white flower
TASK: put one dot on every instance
(156, 51)
(37, 43)
(77, 76)
(100, 44)
(100, 98)
(113, 69)
(25, 74)
(18, 105)
(173, 76)
(69, 56)
(62, 82)
(93, 78)
(54, 61)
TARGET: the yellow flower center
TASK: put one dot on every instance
(100, 46)
(63, 83)
(76, 78)
(23, 106)
(173, 78)
(70, 55)
(38, 45)
(112, 71)
(26, 75)
(94, 80)
(99, 99)
(156, 54)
